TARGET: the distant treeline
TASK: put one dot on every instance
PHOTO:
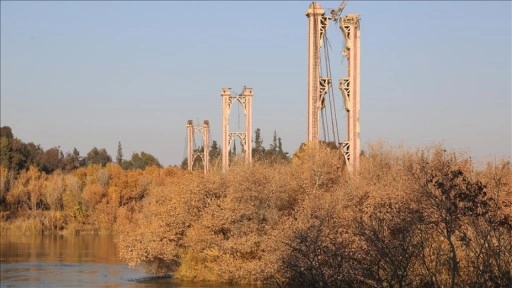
(16, 156)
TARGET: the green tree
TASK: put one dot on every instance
(6, 138)
(81, 160)
(98, 156)
(72, 161)
(140, 161)
(51, 160)
(275, 153)
(215, 151)
(215, 154)
(16, 155)
(32, 153)
(274, 146)
(258, 151)
(119, 157)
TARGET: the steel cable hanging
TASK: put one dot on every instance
(325, 134)
(185, 148)
(194, 139)
(238, 112)
(334, 118)
(209, 139)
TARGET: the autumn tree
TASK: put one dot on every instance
(450, 197)
(490, 236)
(319, 255)
(391, 245)
(27, 193)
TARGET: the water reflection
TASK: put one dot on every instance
(73, 261)
(68, 261)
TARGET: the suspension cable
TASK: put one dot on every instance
(185, 147)
(238, 112)
(194, 139)
(209, 138)
(323, 125)
(334, 118)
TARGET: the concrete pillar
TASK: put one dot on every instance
(225, 94)
(247, 94)
(245, 99)
(190, 140)
(206, 145)
(350, 88)
(314, 14)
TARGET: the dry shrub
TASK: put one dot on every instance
(27, 192)
(103, 177)
(71, 199)
(318, 251)
(5, 183)
(128, 186)
(497, 177)
(155, 237)
(52, 220)
(93, 194)
(54, 191)
(28, 225)
(318, 167)
(407, 218)
(234, 240)
(489, 238)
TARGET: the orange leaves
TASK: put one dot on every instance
(27, 191)
(265, 222)
(93, 194)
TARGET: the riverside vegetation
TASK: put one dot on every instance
(409, 218)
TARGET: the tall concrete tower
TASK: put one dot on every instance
(191, 154)
(245, 100)
(350, 89)
(349, 86)
(317, 87)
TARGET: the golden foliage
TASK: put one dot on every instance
(407, 218)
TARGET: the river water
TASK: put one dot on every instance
(71, 261)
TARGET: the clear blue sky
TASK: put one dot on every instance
(85, 74)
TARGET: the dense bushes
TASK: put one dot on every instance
(87, 199)
(425, 218)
